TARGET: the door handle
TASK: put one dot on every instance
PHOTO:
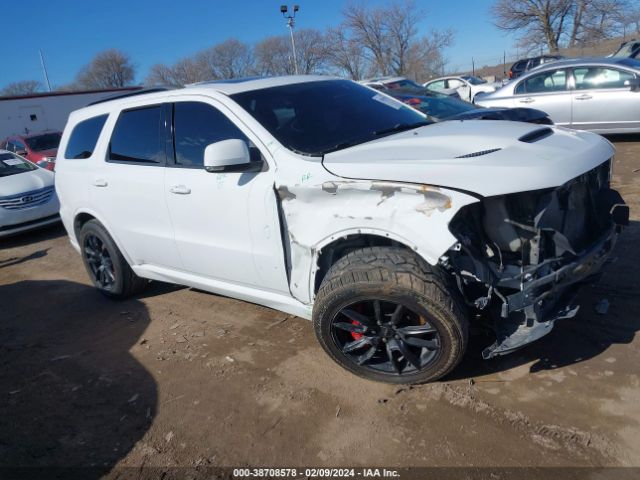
(527, 100)
(179, 190)
(100, 182)
(584, 96)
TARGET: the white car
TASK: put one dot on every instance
(467, 86)
(27, 196)
(329, 200)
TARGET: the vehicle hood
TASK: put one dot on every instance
(481, 156)
(520, 114)
(25, 182)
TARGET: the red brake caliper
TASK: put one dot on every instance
(356, 336)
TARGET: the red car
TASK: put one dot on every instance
(41, 148)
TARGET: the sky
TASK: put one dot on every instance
(71, 32)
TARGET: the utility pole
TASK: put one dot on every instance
(291, 23)
(44, 70)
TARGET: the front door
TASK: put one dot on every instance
(226, 224)
(546, 91)
(602, 101)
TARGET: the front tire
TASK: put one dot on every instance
(105, 264)
(384, 314)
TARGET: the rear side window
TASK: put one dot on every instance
(138, 136)
(197, 125)
(84, 137)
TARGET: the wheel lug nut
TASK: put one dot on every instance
(384, 340)
(397, 337)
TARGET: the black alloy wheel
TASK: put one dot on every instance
(386, 337)
(99, 262)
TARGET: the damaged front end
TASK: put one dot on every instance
(520, 257)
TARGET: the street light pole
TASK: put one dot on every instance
(291, 23)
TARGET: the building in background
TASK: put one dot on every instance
(46, 111)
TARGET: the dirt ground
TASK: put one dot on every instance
(181, 378)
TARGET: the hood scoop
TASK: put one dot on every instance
(536, 135)
(479, 154)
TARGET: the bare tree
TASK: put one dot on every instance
(368, 28)
(345, 54)
(312, 51)
(538, 20)
(273, 56)
(24, 87)
(109, 69)
(389, 37)
(424, 58)
(229, 59)
(161, 74)
(552, 23)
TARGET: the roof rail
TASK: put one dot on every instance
(131, 94)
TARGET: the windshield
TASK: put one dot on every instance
(47, 141)
(314, 118)
(627, 49)
(11, 164)
(404, 84)
(474, 80)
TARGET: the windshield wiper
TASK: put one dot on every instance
(400, 127)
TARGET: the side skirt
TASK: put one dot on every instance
(273, 300)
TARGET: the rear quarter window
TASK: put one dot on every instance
(84, 137)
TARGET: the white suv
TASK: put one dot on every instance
(329, 200)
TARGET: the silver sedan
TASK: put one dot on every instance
(601, 95)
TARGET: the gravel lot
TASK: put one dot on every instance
(178, 377)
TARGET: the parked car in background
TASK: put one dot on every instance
(328, 200)
(40, 148)
(466, 86)
(630, 49)
(400, 83)
(27, 196)
(600, 94)
(526, 64)
(439, 108)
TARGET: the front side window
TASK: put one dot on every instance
(138, 136)
(84, 137)
(588, 78)
(455, 83)
(545, 82)
(317, 117)
(197, 125)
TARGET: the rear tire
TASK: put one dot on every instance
(105, 264)
(384, 314)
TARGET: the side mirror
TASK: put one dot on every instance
(229, 156)
(633, 84)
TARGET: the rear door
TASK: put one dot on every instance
(547, 91)
(602, 102)
(127, 188)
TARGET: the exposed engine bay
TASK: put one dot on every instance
(520, 257)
